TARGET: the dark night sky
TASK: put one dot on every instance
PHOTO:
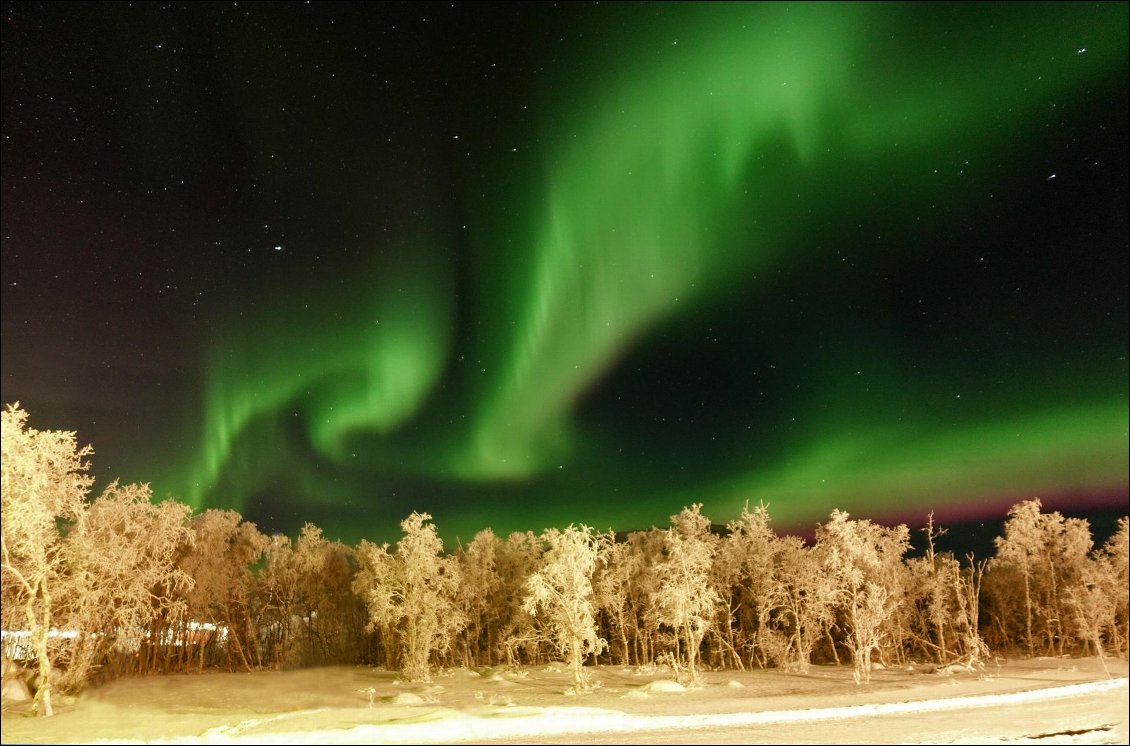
(519, 265)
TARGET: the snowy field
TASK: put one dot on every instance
(1041, 701)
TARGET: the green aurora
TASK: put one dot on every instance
(712, 163)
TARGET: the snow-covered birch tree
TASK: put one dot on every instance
(561, 591)
(99, 571)
(45, 482)
(477, 596)
(686, 599)
(860, 557)
(121, 555)
(220, 560)
(411, 593)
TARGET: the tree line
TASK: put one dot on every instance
(120, 585)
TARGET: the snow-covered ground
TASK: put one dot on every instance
(1036, 701)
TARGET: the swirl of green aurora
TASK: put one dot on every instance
(760, 257)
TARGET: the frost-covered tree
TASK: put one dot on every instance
(748, 584)
(1097, 598)
(123, 577)
(1112, 577)
(279, 601)
(612, 588)
(1090, 607)
(947, 600)
(332, 615)
(807, 597)
(411, 594)
(625, 583)
(1068, 566)
(863, 561)
(101, 571)
(45, 483)
(561, 592)
(516, 559)
(477, 596)
(306, 611)
(1019, 550)
(686, 599)
(935, 580)
(220, 561)
(968, 591)
(1049, 554)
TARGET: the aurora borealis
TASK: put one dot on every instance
(523, 265)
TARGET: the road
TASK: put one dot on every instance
(1085, 717)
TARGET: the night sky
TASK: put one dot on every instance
(520, 265)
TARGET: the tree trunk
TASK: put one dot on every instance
(1027, 610)
(575, 663)
(832, 643)
(39, 645)
(624, 642)
(688, 634)
(253, 634)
